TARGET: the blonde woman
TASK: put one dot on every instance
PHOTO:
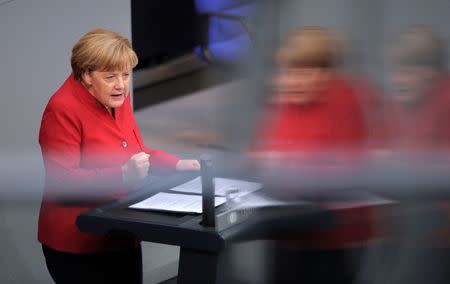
(93, 152)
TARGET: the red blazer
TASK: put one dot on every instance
(336, 122)
(84, 148)
(422, 126)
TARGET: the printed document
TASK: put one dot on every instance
(174, 202)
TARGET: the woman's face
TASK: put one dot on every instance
(412, 83)
(302, 84)
(110, 88)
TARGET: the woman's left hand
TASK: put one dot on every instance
(188, 165)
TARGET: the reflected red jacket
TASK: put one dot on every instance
(83, 149)
(421, 126)
(336, 122)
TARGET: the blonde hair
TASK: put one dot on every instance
(102, 50)
(418, 46)
(308, 47)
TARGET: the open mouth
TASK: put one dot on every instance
(116, 95)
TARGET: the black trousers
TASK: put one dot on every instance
(111, 267)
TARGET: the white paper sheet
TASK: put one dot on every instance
(174, 202)
(221, 186)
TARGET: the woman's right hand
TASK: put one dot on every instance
(136, 168)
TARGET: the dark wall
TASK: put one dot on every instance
(162, 29)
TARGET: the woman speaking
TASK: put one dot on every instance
(93, 152)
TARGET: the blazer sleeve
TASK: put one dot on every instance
(60, 141)
(159, 159)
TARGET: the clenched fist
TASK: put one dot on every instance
(136, 168)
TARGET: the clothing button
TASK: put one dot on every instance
(124, 144)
